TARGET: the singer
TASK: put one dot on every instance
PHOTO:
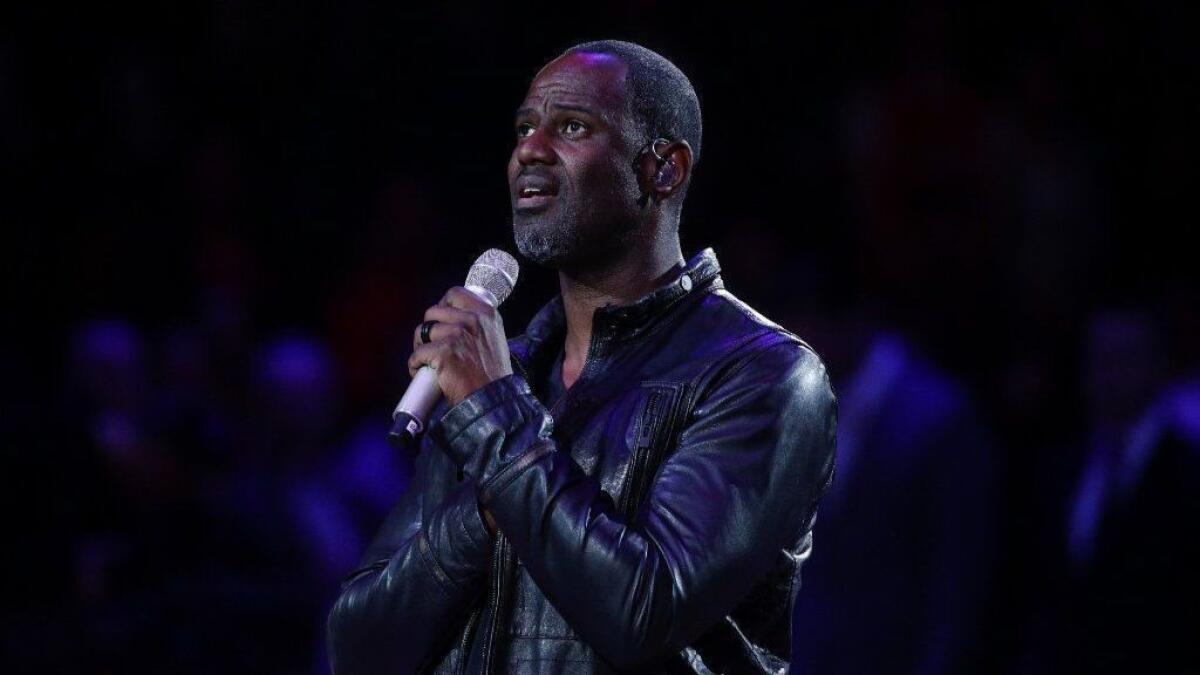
(631, 484)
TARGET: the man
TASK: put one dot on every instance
(630, 486)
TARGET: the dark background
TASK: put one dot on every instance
(222, 221)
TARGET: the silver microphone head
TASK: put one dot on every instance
(495, 272)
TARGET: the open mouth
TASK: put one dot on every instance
(534, 197)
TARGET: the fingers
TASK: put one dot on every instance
(438, 331)
(425, 355)
(450, 322)
(453, 315)
(459, 311)
(460, 298)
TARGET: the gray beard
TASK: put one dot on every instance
(564, 238)
(549, 244)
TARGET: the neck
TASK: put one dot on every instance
(619, 281)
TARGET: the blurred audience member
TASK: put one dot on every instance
(1118, 566)
(898, 581)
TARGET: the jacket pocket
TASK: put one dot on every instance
(657, 426)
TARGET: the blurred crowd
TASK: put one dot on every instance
(974, 232)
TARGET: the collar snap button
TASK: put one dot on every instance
(685, 282)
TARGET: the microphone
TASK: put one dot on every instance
(492, 278)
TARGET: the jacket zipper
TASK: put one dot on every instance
(645, 440)
(496, 591)
(492, 602)
(465, 644)
(664, 428)
(494, 596)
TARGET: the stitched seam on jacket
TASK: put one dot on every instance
(773, 327)
(672, 435)
(462, 525)
(438, 572)
(729, 363)
(509, 473)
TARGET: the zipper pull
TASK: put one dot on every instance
(651, 413)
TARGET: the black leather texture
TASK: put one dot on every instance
(654, 521)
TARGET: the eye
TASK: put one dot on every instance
(574, 127)
(524, 129)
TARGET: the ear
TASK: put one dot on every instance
(674, 172)
(660, 180)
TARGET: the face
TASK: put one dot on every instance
(571, 179)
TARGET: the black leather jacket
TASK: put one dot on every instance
(654, 521)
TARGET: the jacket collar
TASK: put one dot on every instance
(616, 323)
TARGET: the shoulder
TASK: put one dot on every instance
(771, 391)
(754, 364)
(757, 347)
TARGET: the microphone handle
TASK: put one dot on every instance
(414, 407)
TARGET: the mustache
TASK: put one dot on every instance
(540, 172)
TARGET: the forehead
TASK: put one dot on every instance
(596, 81)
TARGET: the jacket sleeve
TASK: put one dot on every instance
(750, 465)
(416, 579)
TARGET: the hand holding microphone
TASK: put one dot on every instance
(467, 346)
(461, 346)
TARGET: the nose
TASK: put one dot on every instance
(535, 148)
